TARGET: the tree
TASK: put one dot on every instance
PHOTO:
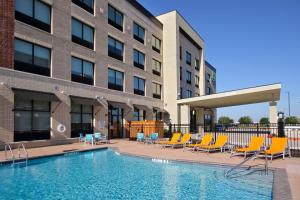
(291, 120)
(225, 120)
(245, 120)
(264, 120)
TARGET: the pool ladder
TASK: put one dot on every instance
(230, 173)
(20, 159)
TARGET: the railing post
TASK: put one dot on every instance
(170, 130)
(257, 129)
(281, 128)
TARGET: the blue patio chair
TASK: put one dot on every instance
(100, 138)
(89, 139)
(140, 137)
(154, 137)
(81, 137)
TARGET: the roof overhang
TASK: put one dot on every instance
(260, 94)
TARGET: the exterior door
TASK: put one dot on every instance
(115, 118)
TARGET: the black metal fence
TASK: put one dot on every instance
(241, 134)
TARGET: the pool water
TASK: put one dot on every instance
(104, 174)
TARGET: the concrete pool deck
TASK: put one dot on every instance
(290, 165)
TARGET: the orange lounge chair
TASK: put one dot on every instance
(206, 140)
(255, 146)
(219, 144)
(278, 148)
(184, 140)
(174, 138)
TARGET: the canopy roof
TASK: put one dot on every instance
(259, 94)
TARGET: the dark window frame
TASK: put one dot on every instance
(197, 64)
(189, 94)
(137, 63)
(139, 117)
(157, 115)
(113, 22)
(154, 70)
(32, 20)
(138, 37)
(155, 94)
(138, 91)
(81, 4)
(82, 41)
(32, 68)
(197, 79)
(115, 86)
(82, 78)
(155, 40)
(188, 58)
(75, 133)
(112, 50)
(188, 77)
(32, 134)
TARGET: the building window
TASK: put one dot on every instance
(188, 58)
(180, 52)
(197, 81)
(115, 80)
(139, 86)
(87, 5)
(208, 77)
(138, 59)
(81, 119)
(156, 90)
(180, 73)
(208, 91)
(139, 114)
(156, 67)
(156, 44)
(181, 93)
(138, 32)
(32, 120)
(115, 18)
(157, 115)
(35, 13)
(82, 34)
(188, 77)
(32, 58)
(197, 64)
(115, 48)
(189, 94)
(82, 71)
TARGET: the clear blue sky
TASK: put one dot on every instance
(251, 43)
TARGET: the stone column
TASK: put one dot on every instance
(185, 114)
(273, 112)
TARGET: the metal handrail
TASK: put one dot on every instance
(228, 172)
(8, 148)
(24, 150)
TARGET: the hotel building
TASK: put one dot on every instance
(73, 66)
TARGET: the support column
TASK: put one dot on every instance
(185, 112)
(273, 112)
(200, 115)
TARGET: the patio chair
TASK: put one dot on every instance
(184, 140)
(278, 148)
(100, 138)
(255, 146)
(81, 137)
(140, 137)
(174, 138)
(89, 139)
(153, 138)
(219, 144)
(206, 140)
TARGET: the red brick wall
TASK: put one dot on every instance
(7, 33)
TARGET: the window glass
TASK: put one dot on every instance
(41, 106)
(76, 66)
(75, 118)
(87, 109)
(136, 83)
(87, 118)
(41, 121)
(75, 107)
(42, 12)
(41, 56)
(23, 51)
(119, 78)
(88, 69)
(141, 84)
(22, 121)
(88, 34)
(25, 7)
(111, 76)
(76, 28)
(89, 3)
(21, 104)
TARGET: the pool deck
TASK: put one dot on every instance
(290, 165)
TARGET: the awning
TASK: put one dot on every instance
(159, 109)
(141, 107)
(267, 93)
(117, 104)
(85, 101)
(34, 95)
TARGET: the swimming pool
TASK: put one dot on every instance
(104, 174)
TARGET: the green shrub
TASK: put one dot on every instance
(245, 120)
(225, 120)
